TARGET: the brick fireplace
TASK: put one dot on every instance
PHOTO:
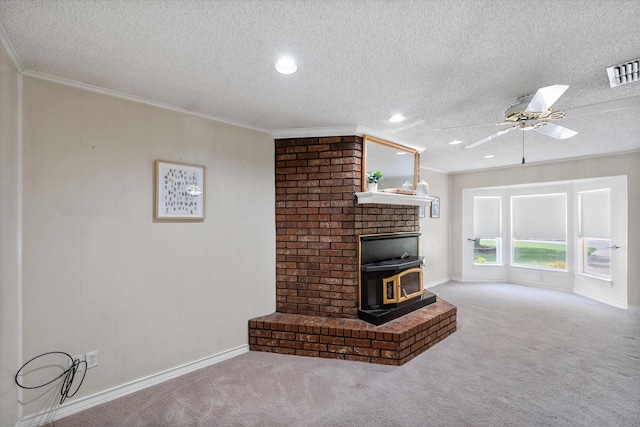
(318, 224)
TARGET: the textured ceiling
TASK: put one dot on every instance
(439, 63)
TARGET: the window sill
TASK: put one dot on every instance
(602, 281)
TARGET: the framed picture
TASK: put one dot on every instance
(179, 192)
(435, 208)
(422, 211)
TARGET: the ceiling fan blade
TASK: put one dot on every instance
(555, 131)
(545, 97)
(490, 137)
(603, 107)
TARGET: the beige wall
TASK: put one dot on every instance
(99, 274)
(9, 244)
(623, 164)
(434, 245)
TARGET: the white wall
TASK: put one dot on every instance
(617, 165)
(9, 244)
(99, 274)
(434, 245)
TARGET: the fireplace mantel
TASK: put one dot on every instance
(383, 198)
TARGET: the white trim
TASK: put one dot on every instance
(601, 299)
(131, 387)
(553, 288)
(8, 47)
(590, 278)
(428, 168)
(371, 132)
(393, 198)
(539, 285)
(436, 282)
(512, 282)
(346, 130)
(318, 132)
(133, 98)
(546, 162)
(19, 234)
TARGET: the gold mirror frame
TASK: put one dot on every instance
(386, 157)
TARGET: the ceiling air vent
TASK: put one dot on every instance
(624, 73)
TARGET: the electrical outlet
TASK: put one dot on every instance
(79, 358)
(93, 359)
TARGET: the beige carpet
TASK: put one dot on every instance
(521, 357)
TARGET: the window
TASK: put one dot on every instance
(595, 232)
(539, 231)
(487, 221)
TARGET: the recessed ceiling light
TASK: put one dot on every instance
(489, 156)
(455, 142)
(396, 118)
(286, 65)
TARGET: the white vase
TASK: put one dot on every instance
(423, 188)
(372, 186)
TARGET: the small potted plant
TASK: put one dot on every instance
(372, 180)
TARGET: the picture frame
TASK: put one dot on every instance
(435, 208)
(179, 191)
(421, 211)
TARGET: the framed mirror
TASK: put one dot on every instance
(397, 163)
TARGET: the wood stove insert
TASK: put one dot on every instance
(391, 277)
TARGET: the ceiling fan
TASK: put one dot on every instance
(534, 112)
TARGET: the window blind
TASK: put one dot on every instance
(487, 216)
(541, 216)
(595, 213)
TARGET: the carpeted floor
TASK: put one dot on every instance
(521, 357)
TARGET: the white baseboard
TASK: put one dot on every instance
(602, 300)
(539, 285)
(480, 280)
(553, 288)
(125, 389)
(436, 282)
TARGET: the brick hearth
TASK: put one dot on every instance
(393, 343)
(318, 224)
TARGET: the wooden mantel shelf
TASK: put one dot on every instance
(383, 198)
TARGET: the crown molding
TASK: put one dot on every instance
(345, 130)
(546, 162)
(316, 132)
(11, 53)
(386, 137)
(428, 168)
(133, 98)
